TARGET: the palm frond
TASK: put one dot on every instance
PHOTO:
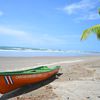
(94, 29)
(99, 11)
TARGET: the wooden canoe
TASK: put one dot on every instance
(12, 80)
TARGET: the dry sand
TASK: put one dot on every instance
(80, 79)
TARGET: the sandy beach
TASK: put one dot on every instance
(79, 78)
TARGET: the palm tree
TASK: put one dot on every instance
(94, 29)
(99, 11)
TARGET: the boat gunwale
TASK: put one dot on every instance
(30, 71)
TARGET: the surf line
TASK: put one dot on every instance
(61, 62)
(55, 63)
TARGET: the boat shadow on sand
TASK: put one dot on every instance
(28, 88)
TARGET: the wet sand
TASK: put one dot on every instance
(80, 79)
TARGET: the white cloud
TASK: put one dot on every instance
(18, 34)
(1, 13)
(35, 39)
(83, 5)
(90, 16)
(84, 9)
(11, 31)
(30, 38)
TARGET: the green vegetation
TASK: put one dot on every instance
(94, 29)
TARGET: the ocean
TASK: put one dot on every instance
(30, 52)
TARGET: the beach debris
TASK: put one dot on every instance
(98, 96)
(48, 87)
(67, 98)
(88, 97)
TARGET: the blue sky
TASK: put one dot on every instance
(55, 24)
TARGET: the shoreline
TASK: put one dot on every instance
(21, 63)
